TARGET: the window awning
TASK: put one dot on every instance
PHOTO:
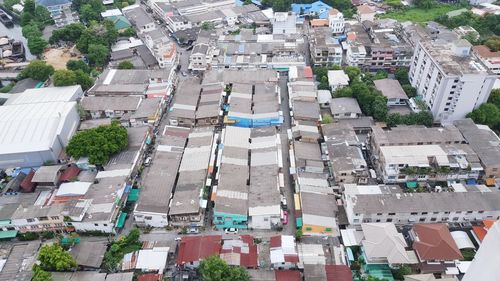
(121, 220)
(411, 184)
(8, 234)
(133, 195)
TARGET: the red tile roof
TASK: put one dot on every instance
(246, 259)
(292, 258)
(27, 185)
(69, 174)
(338, 273)
(485, 52)
(435, 243)
(481, 230)
(319, 22)
(149, 277)
(196, 248)
(308, 72)
(275, 242)
(288, 275)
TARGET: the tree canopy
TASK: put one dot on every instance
(120, 247)
(487, 114)
(70, 77)
(55, 258)
(38, 70)
(493, 43)
(98, 143)
(125, 65)
(40, 275)
(98, 54)
(78, 65)
(215, 269)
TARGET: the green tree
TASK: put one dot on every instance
(379, 108)
(78, 65)
(399, 273)
(401, 74)
(36, 45)
(353, 72)
(344, 92)
(493, 43)
(29, 7)
(327, 119)
(409, 90)
(98, 54)
(31, 30)
(495, 97)
(207, 25)
(487, 114)
(125, 65)
(215, 269)
(37, 70)
(380, 75)
(83, 79)
(424, 4)
(98, 143)
(88, 13)
(64, 78)
(298, 234)
(69, 33)
(55, 258)
(40, 275)
(42, 16)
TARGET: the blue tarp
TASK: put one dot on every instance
(471, 182)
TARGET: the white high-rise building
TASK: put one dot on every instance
(336, 21)
(485, 267)
(450, 80)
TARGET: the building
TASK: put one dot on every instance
(284, 23)
(319, 211)
(283, 252)
(183, 109)
(89, 254)
(193, 249)
(450, 80)
(392, 90)
(336, 21)
(383, 244)
(345, 108)
(337, 79)
(264, 205)
(231, 193)
(201, 57)
(159, 181)
(37, 125)
(490, 59)
(240, 252)
(315, 9)
(187, 206)
(325, 49)
(109, 107)
(162, 48)
(365, 204)
(433, 244)
(484, 143)
(428, 163)
(482, 267)
(60, 11)
(139, 18)
(365, 13)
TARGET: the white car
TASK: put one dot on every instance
(231, 230)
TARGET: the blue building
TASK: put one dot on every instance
(317, 8)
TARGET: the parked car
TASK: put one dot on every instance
(285, 217)
(147, 162)
(283, 202)
(178, 239)
(193, 230)
(231, 230)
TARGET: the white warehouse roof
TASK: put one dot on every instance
(32, 127)
(44, 95)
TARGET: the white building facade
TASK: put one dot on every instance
(336, 21)
(449, 81)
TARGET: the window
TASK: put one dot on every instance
(469, 212)
(377, 220)
(95, 224)
(105, 224)
(480, 212)
(388, 220)
(455, 218)
(148, 217)
(433, 219)
(421, 219)
(446, 213)
(30, 220)
(435, 213)
(414, 214)
(392, 214)
(54, 217)
(43, 218)
(424, 213)
(379, 214)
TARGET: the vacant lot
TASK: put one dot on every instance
(419, 15)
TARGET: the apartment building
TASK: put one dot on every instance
(336, 21)
(201, 57)
(490, 59)
(364, 204)
(325, 50)
(450, 80)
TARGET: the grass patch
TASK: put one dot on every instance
(419, 15)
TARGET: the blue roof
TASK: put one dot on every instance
(50, 3)
(319, 8)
